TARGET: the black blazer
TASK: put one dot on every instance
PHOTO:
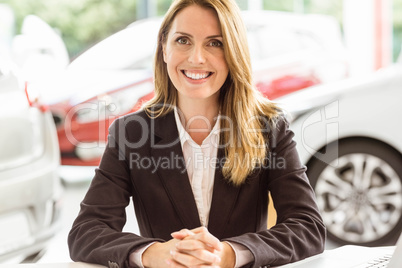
(144, 161)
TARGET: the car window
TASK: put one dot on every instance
(131, 48)
(253, 45)
(310, 41)
(276, 42)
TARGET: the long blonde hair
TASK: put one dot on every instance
(245, 109)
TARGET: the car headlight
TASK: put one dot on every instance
(111, 104)
(23, 139)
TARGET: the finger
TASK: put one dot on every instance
(207, 266)
(182, 234)
(173, 264)
(202, 255)
(202, 234)
(189, 244)
(199, 229)
(185, 259)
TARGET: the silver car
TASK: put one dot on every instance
(30, 188)
(348, 135)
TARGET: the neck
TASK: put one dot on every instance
(191, 110)
(198, 117)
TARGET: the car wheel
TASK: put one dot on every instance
(359, 192)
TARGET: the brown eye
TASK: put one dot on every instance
(182, 41)
(215, 43)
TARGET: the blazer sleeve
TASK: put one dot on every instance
(299, 232)
(96, 235)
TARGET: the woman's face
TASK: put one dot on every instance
(194, 54)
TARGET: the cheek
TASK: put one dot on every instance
(170, 56)
(224, 67)
(221, 62)
(170, 61)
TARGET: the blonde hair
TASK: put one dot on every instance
(240, 102)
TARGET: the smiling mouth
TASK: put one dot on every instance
(196, 75)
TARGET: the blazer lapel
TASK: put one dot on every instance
(167, 149)
(223, 200)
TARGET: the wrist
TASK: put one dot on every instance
(148, 253)
(228, 256)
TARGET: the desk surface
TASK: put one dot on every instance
(87, 265)
(52, 265)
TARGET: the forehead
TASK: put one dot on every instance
(195, 19)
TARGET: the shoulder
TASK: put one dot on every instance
(281, 123)
(272, 117)
(130, 126)
(132, 118)
(278, 129)
(140, 125)
(275, 121)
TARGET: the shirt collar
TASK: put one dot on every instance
(185, 137)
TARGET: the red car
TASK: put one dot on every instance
(289, 52)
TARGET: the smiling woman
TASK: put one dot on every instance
(199, 161)
(196, 62)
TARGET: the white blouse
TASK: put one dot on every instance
(200, 164)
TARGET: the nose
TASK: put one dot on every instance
(197, 55)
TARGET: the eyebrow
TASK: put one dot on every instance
(208, 37)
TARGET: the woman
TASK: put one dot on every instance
(199, 160)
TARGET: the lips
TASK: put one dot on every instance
(196, 75)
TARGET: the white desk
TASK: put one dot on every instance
(52, 265)
(358, 251)
(341, 254)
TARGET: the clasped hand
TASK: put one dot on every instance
(190, 248)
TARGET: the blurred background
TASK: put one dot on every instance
(68, 68)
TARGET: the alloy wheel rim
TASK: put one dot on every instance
(360, 198)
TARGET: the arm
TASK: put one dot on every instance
(299, 232)
(96, 235)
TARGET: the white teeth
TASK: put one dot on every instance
(196, 76)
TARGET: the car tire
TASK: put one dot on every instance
(359, 191)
